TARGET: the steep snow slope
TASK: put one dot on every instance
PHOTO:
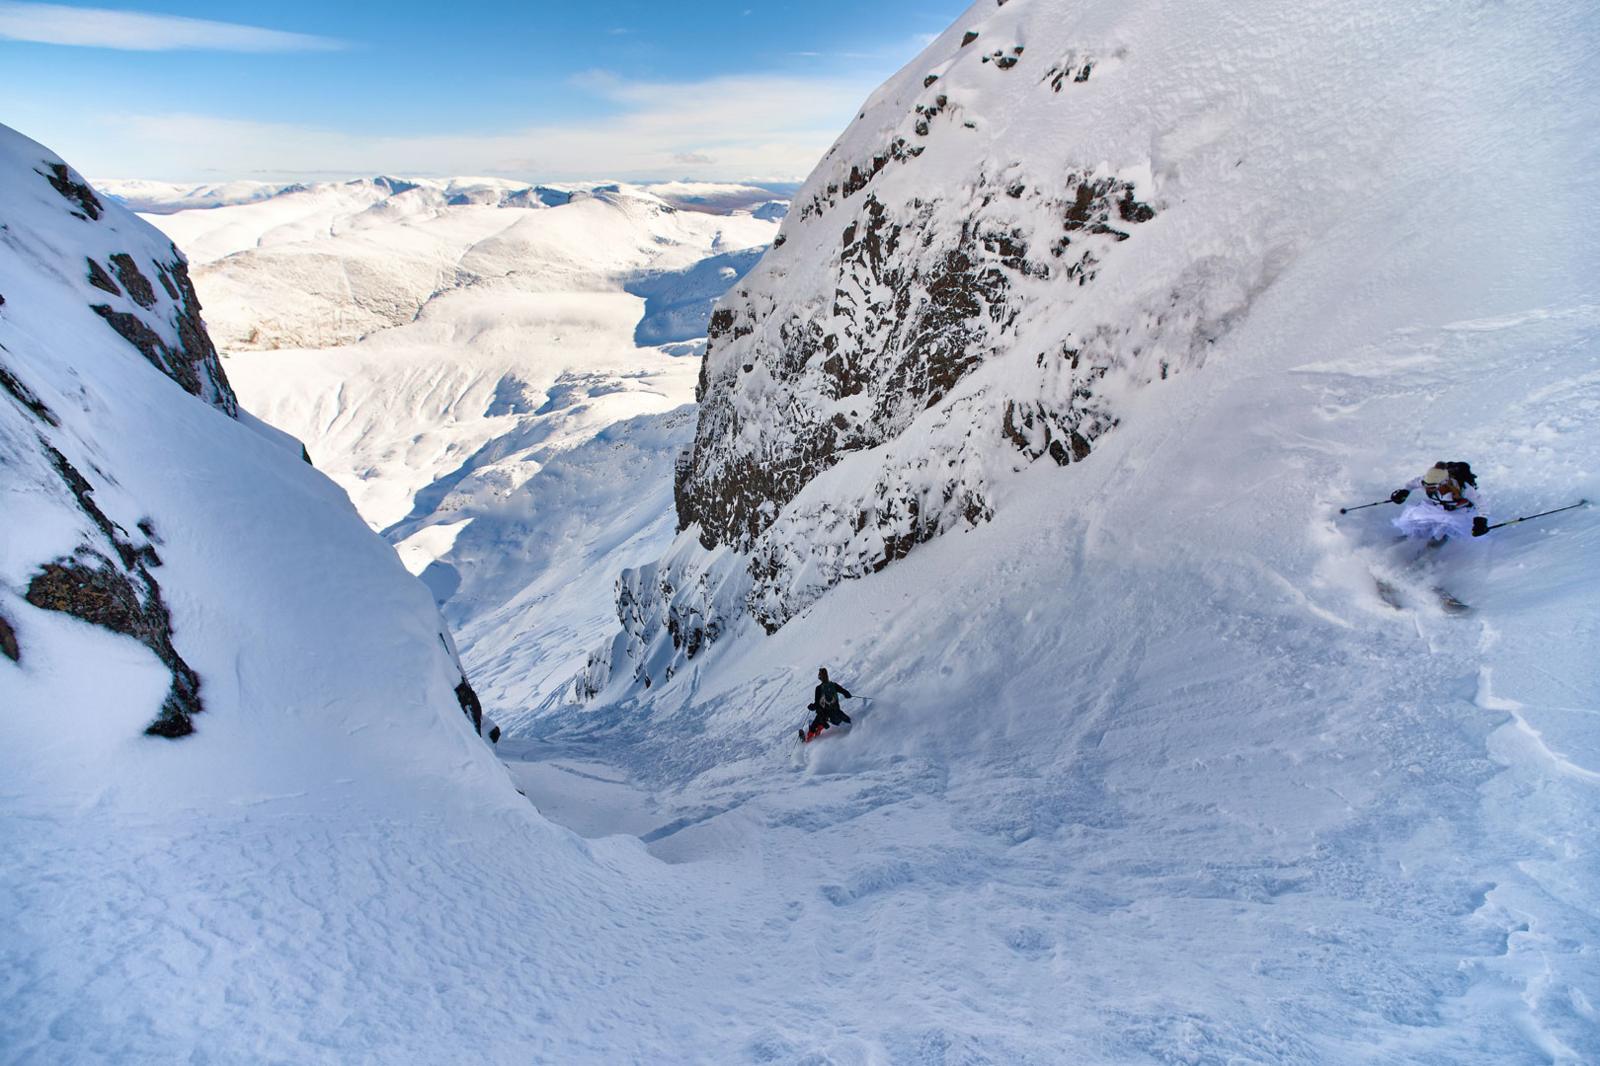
(331, 867)
(1152, 774)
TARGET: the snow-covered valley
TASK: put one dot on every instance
(1143, 767)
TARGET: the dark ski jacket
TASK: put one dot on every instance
(827, 696)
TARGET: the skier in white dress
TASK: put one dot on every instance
(1449, 501)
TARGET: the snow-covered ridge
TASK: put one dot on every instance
(64, 245)
(100, 340)
(958, 226)
(1051, 208)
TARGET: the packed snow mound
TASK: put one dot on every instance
(324, 867)
(1053, 208)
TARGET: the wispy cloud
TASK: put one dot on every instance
(742, 127)
(141, 32)
(901, 49)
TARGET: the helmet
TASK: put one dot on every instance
(1436, 475)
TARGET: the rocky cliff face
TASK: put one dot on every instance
(949, 301)
(164, 326)
(76, 270)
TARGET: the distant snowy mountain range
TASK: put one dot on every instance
(166, 198)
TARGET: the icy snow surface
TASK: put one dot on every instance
(1151, 774)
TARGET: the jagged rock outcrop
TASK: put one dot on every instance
(948, 302)
(165, 557)
(102, 573)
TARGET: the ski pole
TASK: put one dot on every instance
(1364, 506)
(1480, 525)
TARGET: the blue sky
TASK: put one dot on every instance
(296, 89)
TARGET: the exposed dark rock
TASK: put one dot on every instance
(76, 192)
(193, 363)
(147, 551)
(929, 80)
(126, 600)
(968, 37)
(83, 492)
(101, 280)
(306, 455)
(918, 324)
(138, 286)
(470, 705)
(923, 290)
(1064, 434)
(927, 113)
(859, 176)
(194, 344)
(24, 395)
(8, 641)
(92, 588)
(131, 328)
(1068, 71)
(1130, 210)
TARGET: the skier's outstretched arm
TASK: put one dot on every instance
(1399, 495)
(844, 692)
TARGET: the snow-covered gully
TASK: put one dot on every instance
(1263, 818)
(1033, 428)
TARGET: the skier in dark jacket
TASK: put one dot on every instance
(825, 702)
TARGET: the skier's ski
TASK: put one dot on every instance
(836, 729)
(1388, 593)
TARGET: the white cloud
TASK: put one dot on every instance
(900, 50)
(746, 127)
(140, 32)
